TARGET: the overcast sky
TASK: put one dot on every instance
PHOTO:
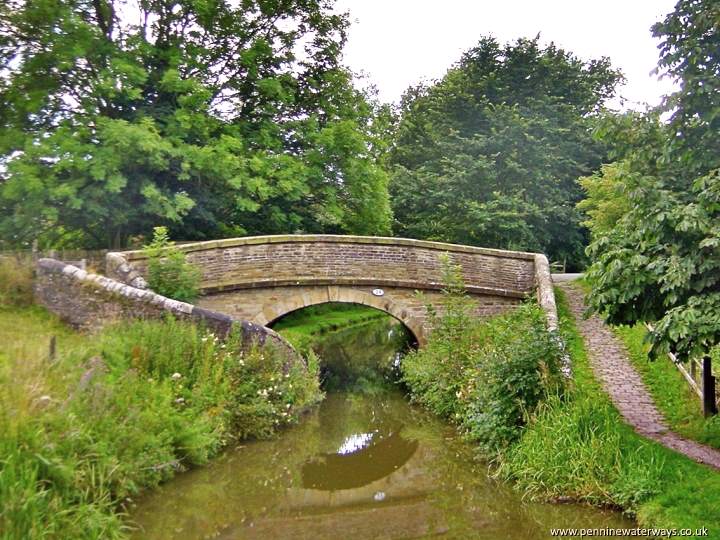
(397, 43)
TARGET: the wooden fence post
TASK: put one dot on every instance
(53, 348)
(708, 387)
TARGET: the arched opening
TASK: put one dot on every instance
(359, 347)
(272, 313)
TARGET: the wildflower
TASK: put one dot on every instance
(180, 400)
(175, 376)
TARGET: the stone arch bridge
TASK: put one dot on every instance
(262, 278)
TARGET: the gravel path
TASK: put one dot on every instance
(610, 363)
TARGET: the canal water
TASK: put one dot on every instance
(364, 464)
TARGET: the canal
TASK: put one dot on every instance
(365, 464)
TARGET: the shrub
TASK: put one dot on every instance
(16, 279)
(485, 375)
(169, 273)
(251, 390)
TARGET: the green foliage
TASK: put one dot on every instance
(605, 199)
(485, 375)
(16, 281)
(112, 417)
(578, 447)
(213, 118)
(659, 262)
(490, 154)
(169, 273)
(689, 41)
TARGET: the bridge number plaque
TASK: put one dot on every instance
(378, 292)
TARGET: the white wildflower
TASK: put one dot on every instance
(176, 376)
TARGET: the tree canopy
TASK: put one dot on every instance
(211, 117)
(490, 154)
(660, 262)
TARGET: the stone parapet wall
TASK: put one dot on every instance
(243, 262)
(90, 301)
(544, 291)
(261, 277)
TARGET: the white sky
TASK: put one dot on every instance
(397, 43)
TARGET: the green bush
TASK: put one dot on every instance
(249, 390)
(169, 273)
(16, 280)
(485, 375)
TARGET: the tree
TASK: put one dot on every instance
(660, 262)
(210, 117)
(490, 154)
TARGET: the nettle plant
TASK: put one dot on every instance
(169, 272)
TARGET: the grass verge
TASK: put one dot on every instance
(681, 406)
(120, 412)
(579, 448)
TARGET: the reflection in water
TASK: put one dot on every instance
(365, 357)
(358, 466)
(375, 456)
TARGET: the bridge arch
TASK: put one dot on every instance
(262, 278)
(294, 302)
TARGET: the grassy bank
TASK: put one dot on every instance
(556, 442)
(679, 404)
(579, 448)
(122, 411)
(304, 325)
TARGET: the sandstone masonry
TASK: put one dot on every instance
(89, 302)
(263, 278)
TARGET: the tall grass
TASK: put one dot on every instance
(580, 450)
(16, 279)
(123, 411)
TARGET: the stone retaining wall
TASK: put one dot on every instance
(89, 302)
